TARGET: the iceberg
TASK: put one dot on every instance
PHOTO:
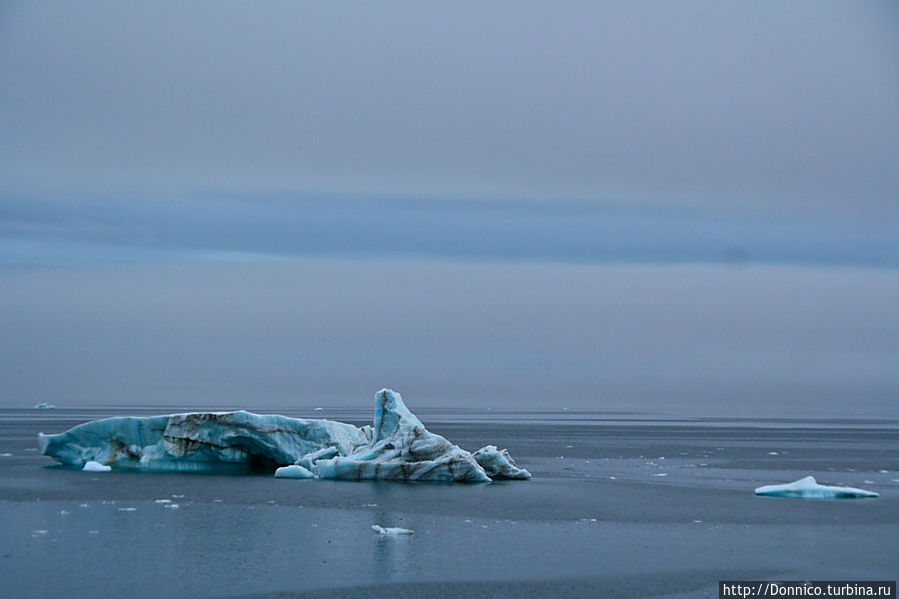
(44, 406)
(396, 446)
(808, 488)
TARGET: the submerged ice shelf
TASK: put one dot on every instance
(396, 447)
(808, 488)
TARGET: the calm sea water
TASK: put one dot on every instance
(619, 505)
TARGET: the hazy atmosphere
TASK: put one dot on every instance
(352, 300)
(656, 207)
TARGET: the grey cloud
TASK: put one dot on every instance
(754, 106)
(223, 227)
(682, 340)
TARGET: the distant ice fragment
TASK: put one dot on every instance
(808, 488)
(93, 466)
(5, 455)
(390, 530)
(44, 406)
(293, 471)
(162, 501)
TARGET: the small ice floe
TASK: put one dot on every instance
(127, 509)
(162, 501)
(697, 521)
(883, 471)
(772, 453)
(177, 496)
(93, 532)
(38, 532)
(808, 488)
(369, 505)
(30, 449)
(588, 520)
(217, 500)
(5, 455)
(171, 506)
(294, 471)
(83, 505)
(661, 474)
(390, 530)
(64, 513)
(318, 409)
(93, 466)
(44, 406)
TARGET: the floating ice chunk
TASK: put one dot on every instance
(808, 488)
(198, 442)
(162, 501)
(499, 464)
(401, 448)
(293, 471)
(396, 447)
(390, 530)
(127, 509)
(93, 466)
(44, 406)
(5, 455)
(171, 506)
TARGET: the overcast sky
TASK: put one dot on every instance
(786, 108)
(506, 202)
(689, 340)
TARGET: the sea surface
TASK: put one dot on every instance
(620, 505)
